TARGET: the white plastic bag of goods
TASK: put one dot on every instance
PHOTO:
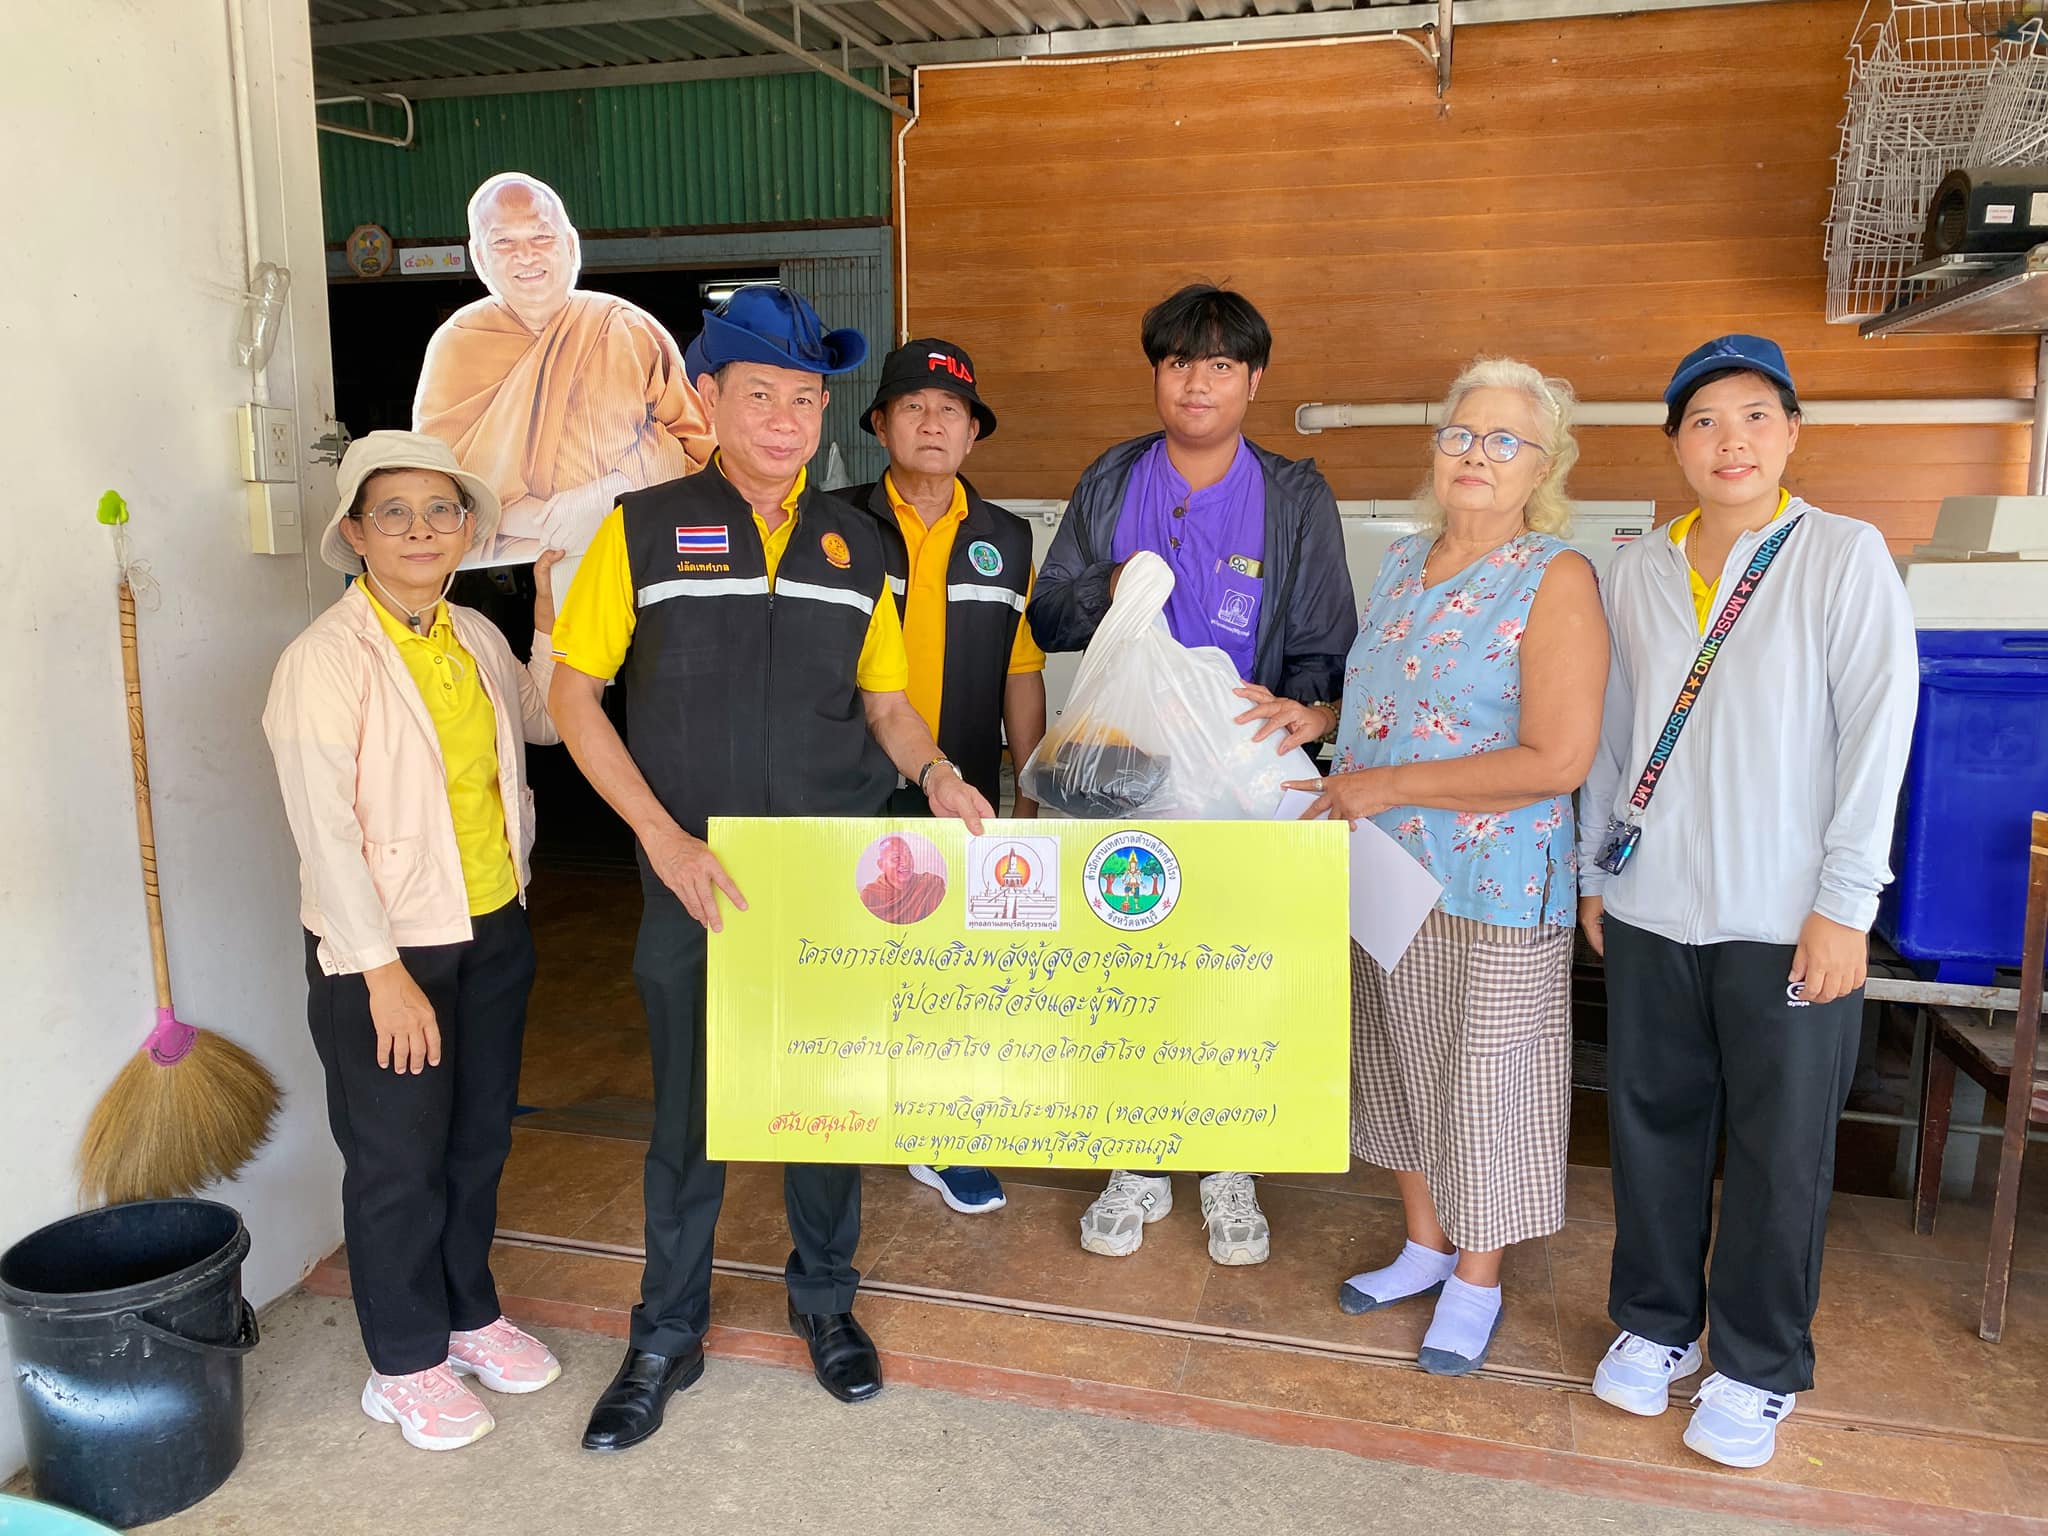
(1150, 727)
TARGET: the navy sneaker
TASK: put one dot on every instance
(970, 1191)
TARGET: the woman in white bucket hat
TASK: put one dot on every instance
(397, 721)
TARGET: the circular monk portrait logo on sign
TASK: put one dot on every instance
(1131, 880)
(901, 878)
(986, 558)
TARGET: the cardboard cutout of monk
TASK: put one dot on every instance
(559, 397)
(901, 893)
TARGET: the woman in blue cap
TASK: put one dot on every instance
(689, 591)
(1734, 836)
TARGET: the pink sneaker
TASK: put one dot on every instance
(432, 1409)
(503, 1358)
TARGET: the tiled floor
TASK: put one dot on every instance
(1916, 1425)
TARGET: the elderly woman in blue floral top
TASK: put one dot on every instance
(1471, 711)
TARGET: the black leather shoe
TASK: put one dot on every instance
(631, 1407)
(842, 1355)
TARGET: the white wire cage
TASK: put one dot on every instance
(1933, 85)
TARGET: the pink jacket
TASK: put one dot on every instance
(365, 789)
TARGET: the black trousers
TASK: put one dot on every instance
(685, 1189)
(1702, 1039)
(422, 1153)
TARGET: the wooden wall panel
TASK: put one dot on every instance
(1597, 196)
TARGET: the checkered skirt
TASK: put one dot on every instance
(1461, 1069)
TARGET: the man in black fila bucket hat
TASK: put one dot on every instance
(760, 562)
(960, 572)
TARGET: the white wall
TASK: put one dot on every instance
(122, 185)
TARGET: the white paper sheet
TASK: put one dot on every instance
(1391, 894)
(1292, 803)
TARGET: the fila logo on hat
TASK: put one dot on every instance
(946, 362)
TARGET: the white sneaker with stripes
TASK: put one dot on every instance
(1636, 1373)
(1737, 1424)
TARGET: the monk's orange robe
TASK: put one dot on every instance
(914, 900)
(600, 389)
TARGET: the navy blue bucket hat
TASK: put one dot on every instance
(768, 323)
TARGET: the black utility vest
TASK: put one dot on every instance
(987, 580)
(739, 701)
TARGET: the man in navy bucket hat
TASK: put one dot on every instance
(688, 591)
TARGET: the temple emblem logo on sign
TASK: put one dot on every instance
(1013, 883)
(1131, 880)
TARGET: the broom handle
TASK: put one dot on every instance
(145, 824)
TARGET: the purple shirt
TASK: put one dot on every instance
(1214, 540)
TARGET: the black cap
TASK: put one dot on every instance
(928, 363)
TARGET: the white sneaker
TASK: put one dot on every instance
(1238, 1233)
(1736, 1424)
(1115, 1224)
(431, 1408)
(1636, 1373)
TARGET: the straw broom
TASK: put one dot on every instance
(191, 1106)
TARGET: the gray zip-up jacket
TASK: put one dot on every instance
(1779, 796)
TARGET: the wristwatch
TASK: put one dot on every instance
(925, 773)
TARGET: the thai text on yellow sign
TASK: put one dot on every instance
(1052, 993)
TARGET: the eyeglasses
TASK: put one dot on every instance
(1501, 447)
(394, 519)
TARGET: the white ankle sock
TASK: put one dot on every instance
(1413, 1272)
(1465, 1315)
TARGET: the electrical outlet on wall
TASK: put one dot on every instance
(268, 443)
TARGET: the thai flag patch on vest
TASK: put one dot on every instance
(703, 541)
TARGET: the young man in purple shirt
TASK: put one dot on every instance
(1258, 562)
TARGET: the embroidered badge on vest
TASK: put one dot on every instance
(703, 541)
(836, 551)
(985, 557)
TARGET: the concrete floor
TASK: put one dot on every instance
(756, 1448)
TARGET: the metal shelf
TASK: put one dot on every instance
(2009, 300)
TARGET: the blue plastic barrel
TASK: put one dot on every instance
(1978, 772)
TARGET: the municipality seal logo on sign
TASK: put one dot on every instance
(986, 558)
(1131, 880)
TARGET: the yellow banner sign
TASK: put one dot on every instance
(1068, 994)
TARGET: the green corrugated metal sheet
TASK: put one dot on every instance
(767, 150)
(421, 192)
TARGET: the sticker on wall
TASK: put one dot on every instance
(368, 251)
(560, 397)
(432, 260)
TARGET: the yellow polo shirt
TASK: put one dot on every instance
(924, 602)
(1702, 589)
(467, 727)
(594, 628)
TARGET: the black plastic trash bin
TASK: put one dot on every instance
(128, 1328)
